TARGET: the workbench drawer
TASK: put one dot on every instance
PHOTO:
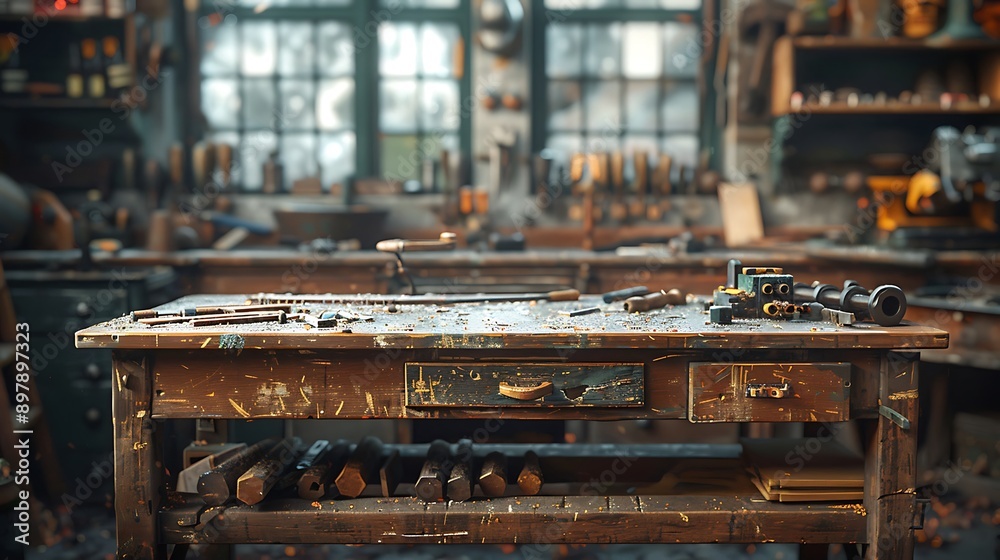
(492, 385)
(769, 392)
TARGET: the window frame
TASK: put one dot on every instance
(543, 17)
(363, 15)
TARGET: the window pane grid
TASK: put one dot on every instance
(419, 113)
(264, 95)
(622, 84)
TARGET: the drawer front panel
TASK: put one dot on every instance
(769, 392)
(477, 384)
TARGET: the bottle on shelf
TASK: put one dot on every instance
(74, 77)
(118, 72)
(93, 68)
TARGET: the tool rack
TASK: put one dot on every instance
(430, 362)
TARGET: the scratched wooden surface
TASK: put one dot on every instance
(816, 392)
(506, 325)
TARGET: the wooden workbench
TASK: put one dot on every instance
(427, 362)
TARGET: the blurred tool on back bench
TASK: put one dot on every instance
(952, 203)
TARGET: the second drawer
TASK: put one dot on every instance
(769, 392)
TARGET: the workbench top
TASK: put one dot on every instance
(495, 325)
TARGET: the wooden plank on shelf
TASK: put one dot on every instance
(536, 519)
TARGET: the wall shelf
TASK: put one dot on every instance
(838, 42)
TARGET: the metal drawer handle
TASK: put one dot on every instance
(768, 390)
(526, 393)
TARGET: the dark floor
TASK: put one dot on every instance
(955, 529)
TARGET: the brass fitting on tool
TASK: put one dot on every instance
(655, 301)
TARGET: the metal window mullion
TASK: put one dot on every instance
(366, 96)
(240, 123)
(622, 86)
(582, 81)
(419, 76)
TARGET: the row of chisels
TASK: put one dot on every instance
(342, 469)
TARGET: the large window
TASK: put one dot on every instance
(622, 75)
(332, 88)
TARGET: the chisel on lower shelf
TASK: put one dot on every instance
(315, 481)
(218, 485)
(254, 484)
(493, 476)
(530, 480)
(461, 481)
(434, 474)
(361, 468)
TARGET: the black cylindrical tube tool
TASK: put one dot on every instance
(886, 305)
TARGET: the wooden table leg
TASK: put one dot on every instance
(138, 468)
(891, 463)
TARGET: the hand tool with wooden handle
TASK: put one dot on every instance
(640, 185)
(619, 210)
(220, 318)
(186, 314)
(446, 242)
(654, 301)
(662, 189)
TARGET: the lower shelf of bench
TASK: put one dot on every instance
(539, 519)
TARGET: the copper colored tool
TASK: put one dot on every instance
(654, 301)
(361, 468)
(493, 476)
(530, 480)
(218, 485)
(253, 485)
